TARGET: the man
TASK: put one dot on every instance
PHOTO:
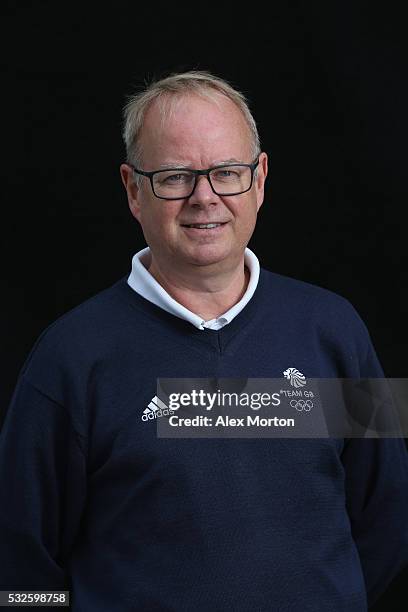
(93, 500)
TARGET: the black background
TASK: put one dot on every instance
(327, 84)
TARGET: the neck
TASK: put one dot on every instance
(206, 294)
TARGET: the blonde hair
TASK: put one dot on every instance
(199, 82)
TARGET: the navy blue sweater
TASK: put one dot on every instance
(93, 501)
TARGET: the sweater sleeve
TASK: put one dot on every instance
(376, 483)
(42, 491)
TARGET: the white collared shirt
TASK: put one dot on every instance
(147, 286)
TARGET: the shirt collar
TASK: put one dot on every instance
(141, 281)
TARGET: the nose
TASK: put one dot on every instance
(203, 193)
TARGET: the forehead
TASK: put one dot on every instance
(192, 129)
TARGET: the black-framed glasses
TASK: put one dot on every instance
(179, 183)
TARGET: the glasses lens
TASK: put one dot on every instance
(231, 179)
(173, 183)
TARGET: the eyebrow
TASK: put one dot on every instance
(177, 164)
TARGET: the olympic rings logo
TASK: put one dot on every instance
(300, 405)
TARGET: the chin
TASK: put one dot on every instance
(206, 256)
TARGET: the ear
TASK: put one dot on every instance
(132, 190)
(261, 174)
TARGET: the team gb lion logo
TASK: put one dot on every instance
(296, 378)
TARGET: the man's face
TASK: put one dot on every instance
(198, 134)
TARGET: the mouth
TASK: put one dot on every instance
(204, 226)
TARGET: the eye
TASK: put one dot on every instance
(178, 178)
(174, 178)
(223, 174)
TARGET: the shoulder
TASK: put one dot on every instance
(295, 292)
(83, 331)
(333, 315)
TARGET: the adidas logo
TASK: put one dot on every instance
(156, 409)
